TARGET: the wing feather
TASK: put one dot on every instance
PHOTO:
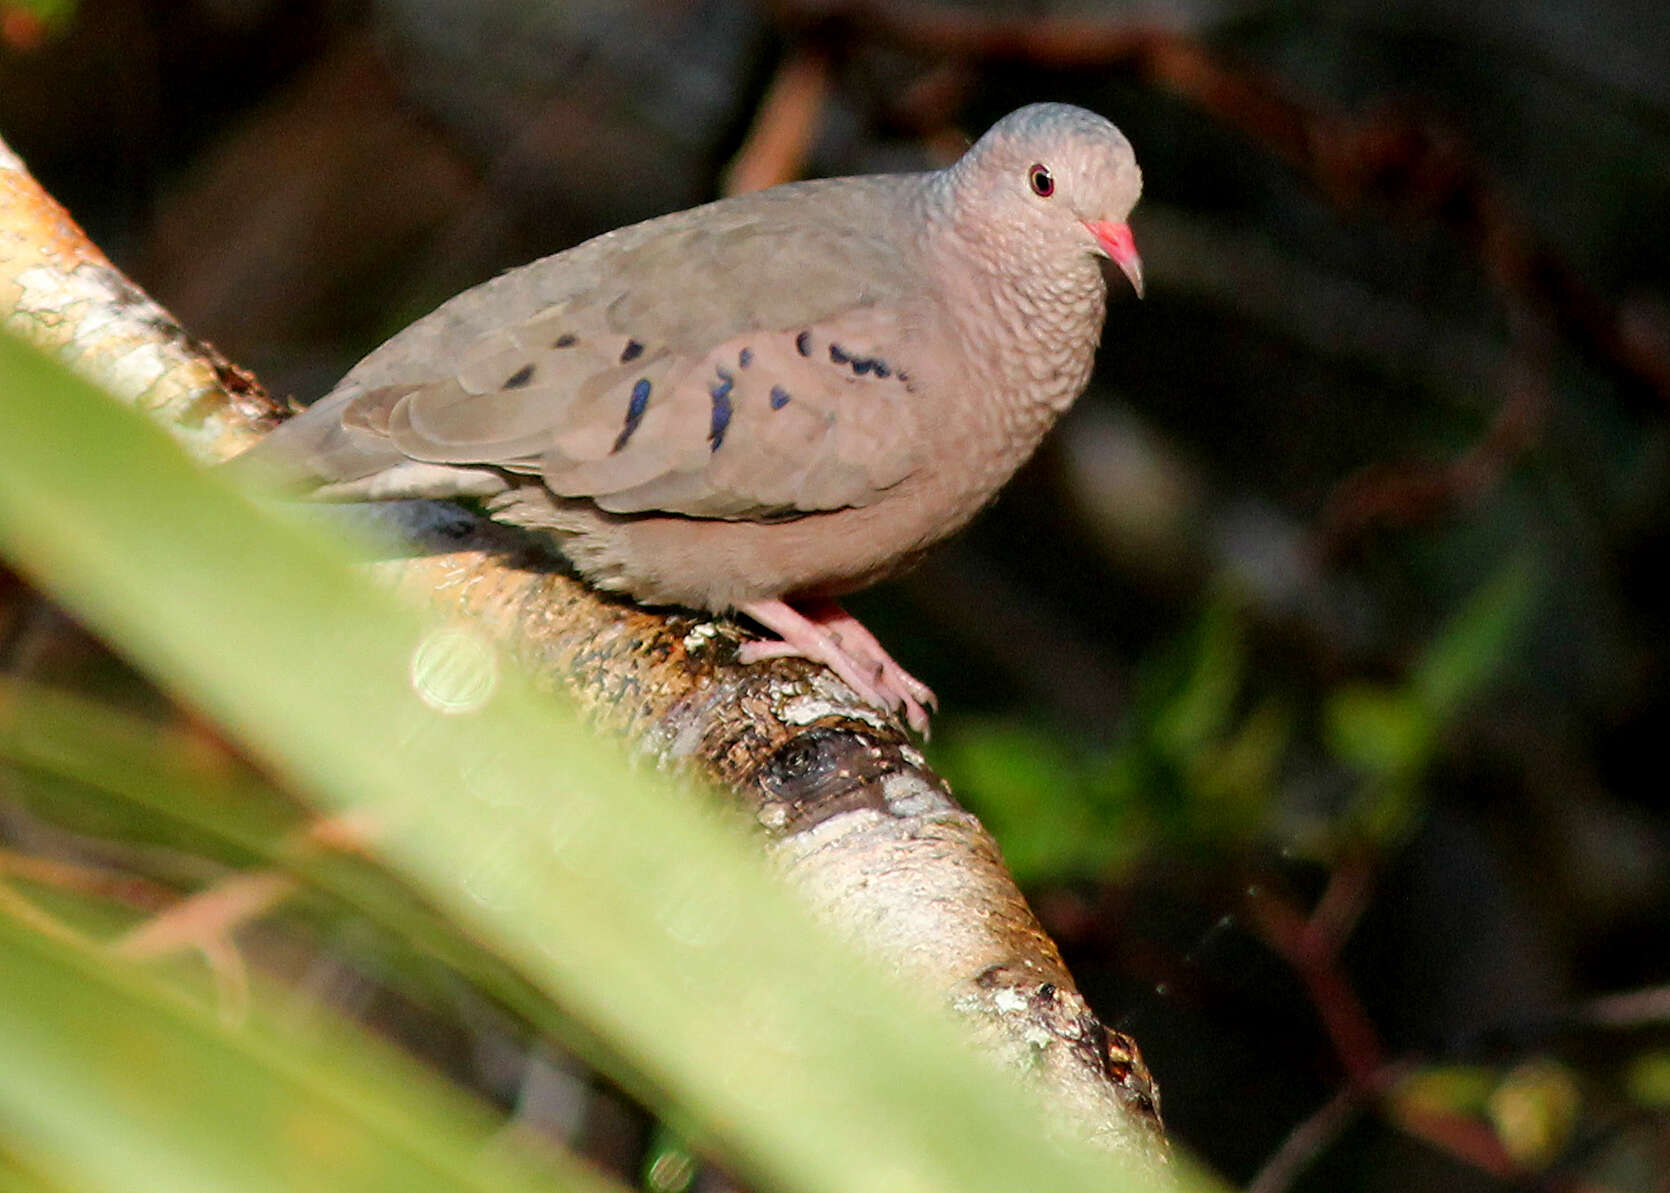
(736, 361)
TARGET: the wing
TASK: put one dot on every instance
(737, 361)
(762, 425)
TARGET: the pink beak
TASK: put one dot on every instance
(1121, 247)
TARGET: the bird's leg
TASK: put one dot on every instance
(804, 638)
(863, 646)
(828, 634)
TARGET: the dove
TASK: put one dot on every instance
(764, 403)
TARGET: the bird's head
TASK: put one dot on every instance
(1056, 179)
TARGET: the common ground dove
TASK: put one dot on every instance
(765, 402)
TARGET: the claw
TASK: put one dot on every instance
(828, 634)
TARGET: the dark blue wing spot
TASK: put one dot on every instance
(634, 412)
(632, 351)
(722, 388)
(779, 397)
(861, 365)
(803, 343)
(745, 358)
(567, 340)
(519, 378)
(721, 411)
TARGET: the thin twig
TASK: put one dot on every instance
(1311, 944)
(1307, 1141)
(781, 137)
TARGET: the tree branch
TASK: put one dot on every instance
(848, 809)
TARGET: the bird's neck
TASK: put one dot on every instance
(1024, 344)
(1028, 330)
(1029, 324)
(1037, 333)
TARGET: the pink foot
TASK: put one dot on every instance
(828, 634)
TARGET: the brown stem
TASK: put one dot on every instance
(1311, 944)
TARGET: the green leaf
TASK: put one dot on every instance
(81, 754)
(1037, 797)
(1204, 683)
(1536, 1109)
(1472, 648)
(1381, 731)
(111, 1083)
(1647, 1078)
(1445, 1089)
(1235, 780)
(640, 910)
(669, 1164)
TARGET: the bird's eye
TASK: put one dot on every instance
(1043, 185)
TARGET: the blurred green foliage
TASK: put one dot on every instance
(1203, 756)
(1390, 734)
(1189, 768)
(1649, 1079)
(113, 1081)
(51, 15)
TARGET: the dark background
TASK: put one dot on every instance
(1315, 674)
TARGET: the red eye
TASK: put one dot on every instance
(1042, 184)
